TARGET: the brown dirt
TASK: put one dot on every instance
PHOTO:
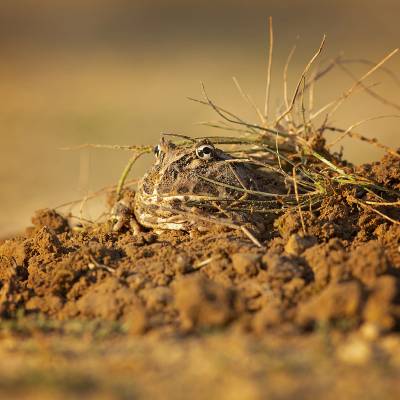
(342, 277)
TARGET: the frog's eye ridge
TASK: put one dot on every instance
(205, 151)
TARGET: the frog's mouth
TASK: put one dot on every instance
(169, 211)
(159, 213)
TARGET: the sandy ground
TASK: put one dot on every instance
(79, 72)
(218, 365)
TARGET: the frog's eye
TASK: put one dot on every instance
(157, 151)
(205, 151)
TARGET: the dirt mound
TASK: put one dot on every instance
(342, 271)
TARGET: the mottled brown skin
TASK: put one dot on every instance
(174, 193)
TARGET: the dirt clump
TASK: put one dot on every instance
(337, 303)
(204, 303)
(51, 219)
(382, 309)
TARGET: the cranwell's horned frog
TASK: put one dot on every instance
(193, 184)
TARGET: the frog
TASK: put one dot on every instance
(192, 185)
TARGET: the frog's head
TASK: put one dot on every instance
(191, 174)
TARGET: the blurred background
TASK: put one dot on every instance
(119, 72)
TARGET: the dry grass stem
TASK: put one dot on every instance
(371, 92)
(358, 83)
(374, 210)
(249, 101)
(102, 146)
(128, 169)
(303, 225)
(270, 51)
(285, 78)
(363, 138)
(333, 102)
(349, 132)
(303, 75)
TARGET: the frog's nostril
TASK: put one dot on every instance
(157, 150)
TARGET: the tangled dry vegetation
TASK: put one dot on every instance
(294, 145)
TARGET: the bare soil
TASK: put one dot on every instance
(207, 313)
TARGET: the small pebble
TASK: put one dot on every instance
(297, 244)
(245, 263)
(354, 352)
(183, 264)
(370, 331)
